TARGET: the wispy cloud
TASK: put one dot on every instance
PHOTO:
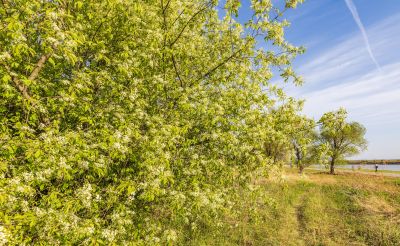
(348, 60)
(357, 19)
(341, 76)
(371, 99)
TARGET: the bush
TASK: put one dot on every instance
(130, 121)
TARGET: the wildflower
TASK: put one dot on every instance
(85, 195)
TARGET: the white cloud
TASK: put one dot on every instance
(374, 101)
(357, 19)
(349, 59)
(344, 76)
(364, 97)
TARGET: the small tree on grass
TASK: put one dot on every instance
(342, 138)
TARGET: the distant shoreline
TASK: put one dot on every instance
(372, 162)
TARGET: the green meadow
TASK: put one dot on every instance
(315, 209)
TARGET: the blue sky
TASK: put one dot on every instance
(341, 69)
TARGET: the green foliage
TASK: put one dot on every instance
(130, 121)
(301, 135)
(283, 122)
(304, 141)
(342, 138)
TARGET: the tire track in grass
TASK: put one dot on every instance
(300, 216)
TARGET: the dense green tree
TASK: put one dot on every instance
(127, 122)
(342, 138)
(284, 123)
(298, 136)
(276, 143)
(304, 139)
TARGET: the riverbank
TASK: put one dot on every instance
(372, 162)
(393, 169)
(314, 209)
(388, 173)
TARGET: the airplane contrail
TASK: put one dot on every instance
(357, 19)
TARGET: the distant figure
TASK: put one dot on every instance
(376, 167)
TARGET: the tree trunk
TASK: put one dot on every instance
(301, 168)
(299, 163)
(332, 166)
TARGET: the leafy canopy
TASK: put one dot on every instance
(131, 121)
(343, 138)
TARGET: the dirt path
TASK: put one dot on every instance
(301, 217)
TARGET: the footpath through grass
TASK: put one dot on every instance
(316, 209)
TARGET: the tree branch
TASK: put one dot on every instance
(18, 83)
(177, 18)
(166, 6)
(176, 70)
(39, 66)
(99, 26)
(35, 73)
(212, 70)
(187, 23)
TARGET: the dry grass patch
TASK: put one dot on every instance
(377, 205)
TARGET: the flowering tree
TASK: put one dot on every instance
(342, 138)
(304, 142)
(299, 136)
(284, 124)
(131, 121)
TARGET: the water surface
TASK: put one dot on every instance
(394, 167)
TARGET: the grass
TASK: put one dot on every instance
(315, 209)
